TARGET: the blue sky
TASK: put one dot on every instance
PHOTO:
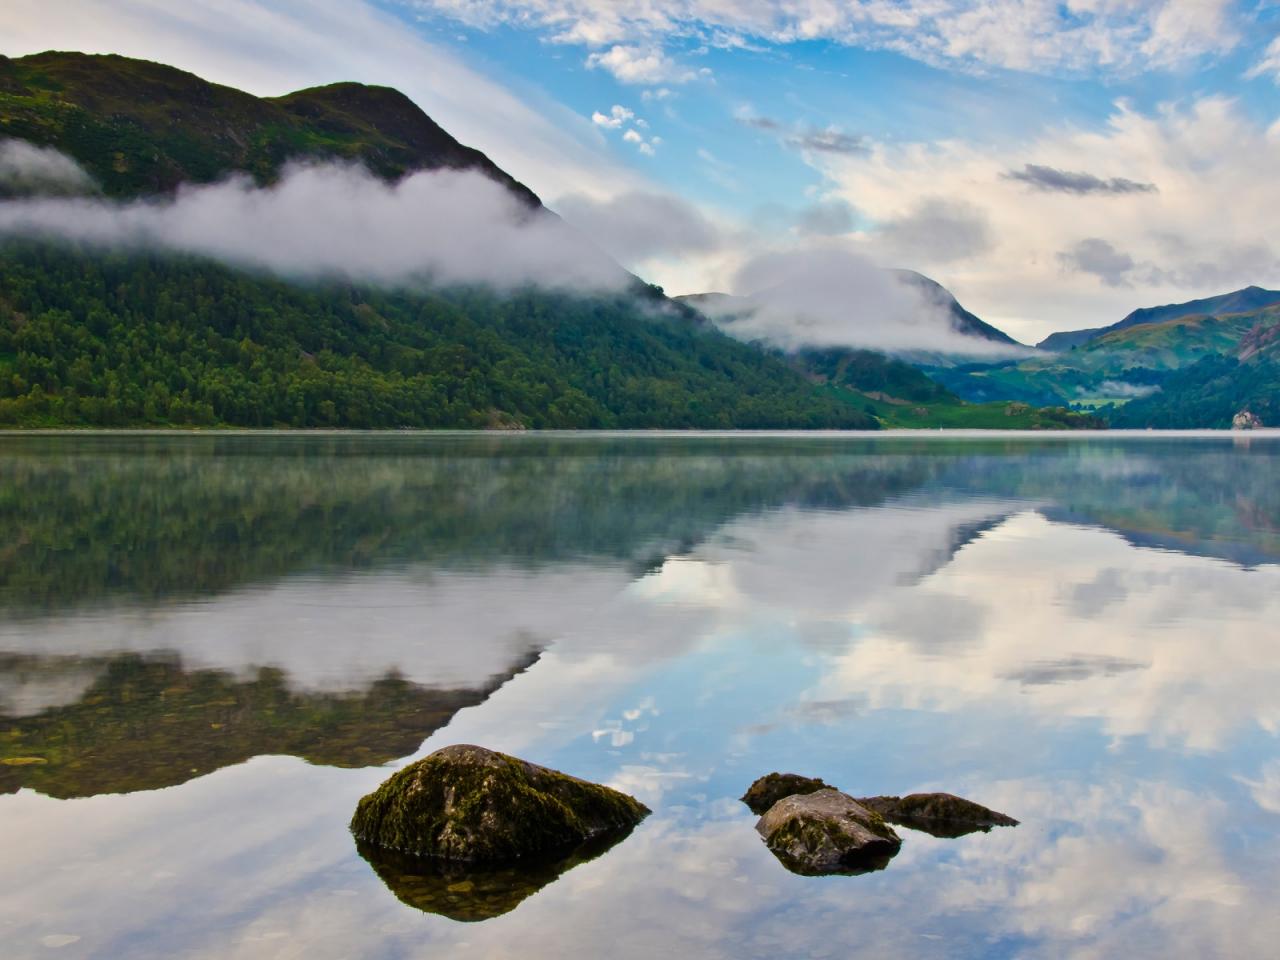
(1055, 164)
(818, 85)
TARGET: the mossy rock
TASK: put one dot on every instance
(468, 804)
(938, 814)
(827, 832)
(772, 787)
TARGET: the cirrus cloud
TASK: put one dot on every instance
(1033, 35)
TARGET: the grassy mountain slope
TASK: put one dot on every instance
(1247, 300)
(142, 128)
(1115, 366)
(1245, 376)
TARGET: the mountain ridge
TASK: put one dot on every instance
(139, 127)
(1244, 300)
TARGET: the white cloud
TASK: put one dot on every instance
(1269, 64)
(640, 65)
(1036, 35)
(446, 226)
(1207, 229)
(615, 118)
(639, 226)
(1266, 791)
(825, 294)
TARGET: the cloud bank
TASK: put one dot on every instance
(445, 227)
(638, 226)
(833, 297)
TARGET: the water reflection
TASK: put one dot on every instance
(474, 892)
(1079, 632)
(141, 723)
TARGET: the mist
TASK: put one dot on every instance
(444, 227)
(26, 169)
(832, 297)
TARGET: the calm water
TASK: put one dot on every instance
(211, 647)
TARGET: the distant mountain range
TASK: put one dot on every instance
(1193, 364)
(1240, 301)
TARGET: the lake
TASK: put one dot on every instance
(211, 646)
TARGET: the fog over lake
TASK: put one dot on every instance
(212, 646)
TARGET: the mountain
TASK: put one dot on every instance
(1128, 361)
(895, 388)
(1248, 300)
(131, 337)
(142, 128)
(962, 321)
(724, 309)
(1243, 377)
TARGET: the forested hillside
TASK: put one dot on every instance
(118, 339)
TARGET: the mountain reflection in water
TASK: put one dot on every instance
(1079, 631)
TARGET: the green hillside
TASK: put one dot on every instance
(1207, 394)
(903, 397)
(141, 128)
(1112, 368)
(1247, 300)
(125, 339)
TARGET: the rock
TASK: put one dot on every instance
(827, 832)
(1245, 420)
(772, 787)
(465, 803)
(939, 814)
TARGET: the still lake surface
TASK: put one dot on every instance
(212, 646)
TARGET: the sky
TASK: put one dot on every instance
(1054, 164)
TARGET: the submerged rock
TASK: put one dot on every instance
(772, 787)
(827, 832)
(465, 803)
(939, 814)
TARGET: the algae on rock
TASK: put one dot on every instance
(466, 803)
(772, 787)
(827, 832)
